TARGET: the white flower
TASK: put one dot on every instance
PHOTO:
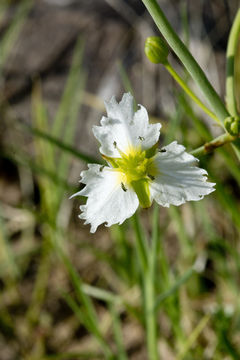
(137, 172)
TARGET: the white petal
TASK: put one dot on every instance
(144, 133)
(107, 201)
(179, 179)
(122, 110)
(125, 128)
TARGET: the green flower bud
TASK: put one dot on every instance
(156, 50)
(232, 125)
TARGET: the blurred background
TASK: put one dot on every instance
(68, 294)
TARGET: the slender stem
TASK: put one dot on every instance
(141, 243)
(186, 58)
(147, 257)
(151, 319)
(190, 93)
(155, 239)
(212, 145)
(231, 52)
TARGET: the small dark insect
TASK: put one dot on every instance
(151, 177)
(162, 150)
(101, 168)
(115, 144)
(123, 187)
(141, 138)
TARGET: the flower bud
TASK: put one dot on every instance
(156, 49)
(232, 125)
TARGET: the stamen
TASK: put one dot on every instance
(123, 155)
(151, 176)
(123, 187)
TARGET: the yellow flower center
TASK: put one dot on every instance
(136, 166)
(136, 170)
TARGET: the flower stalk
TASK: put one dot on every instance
(151, 316)
(190, 93)
(147, 260)
(214, 144)
(187, 59)
(141, 243)
(157, 51)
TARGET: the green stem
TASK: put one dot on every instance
(150, 313)
(231, 51)
(155, 239)
(147, 257)
(212, 145)
(190, 93)
(150, 318)
(141, 243)
(186, 58)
